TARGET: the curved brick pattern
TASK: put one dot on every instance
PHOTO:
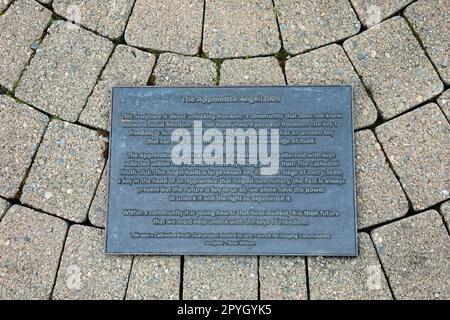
(212, 277)
(30, 244)
(21, 25)
(379, 196)
(64, 71)
(4, 4)
(445, 211)
(4, 205)
(127, 67)
(154, 278)
(308, 24)
(169, 25)
(393, 66)
(330, 65)
(108, 18)
(21, 130)
(359, 278)
(415, 253)
(240, 28)
(256, 71)
(431, 20)
(66, 171)
(173, 69)
(444, 103)
(97, 211)
(418, 146)
(371, 12)
(86, 272)
(282, 278)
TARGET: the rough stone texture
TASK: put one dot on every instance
(30, 244)
(64, 71)
(236, 28)
(22, 24)
(256, 71)
(86, 272)
(444, 103)
(330, 65)
(282, 278)
(169, 25)
(97, 211)
(127, 67)
(308, 24)
(173, 69)
(108, 18)
(372, 12)
(379, 195)
(154, 278)
(217, 278)
(415, 253)
(358, 278)
(21, 130)
(445, 211)
(431, 21)
(393, 66)
(4, 205)
(418, 146)
(66, 171)
(4, 4)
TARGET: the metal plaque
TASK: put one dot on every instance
(232, 171)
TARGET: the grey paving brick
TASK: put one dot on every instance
(282, 278)
(66, 171)
(255, 71)
(309, 24)
(154, 278)
(415, 253)
(31, 243)
(108, 18)
(445, 211)
(64, 71)
(393, 66)
(170, 25)
(358, 278)
(330, 65)
(4, 205)
(86, 272)
(379, 195)
(173, 69)
(127, 67)
(238, 28)
(212, 277)
(430, 19)
(97, 211)
(21, 25)
(418, 146)
(21, 130)
(372, 12)
(444, 103)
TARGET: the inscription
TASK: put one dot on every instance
(214, 170)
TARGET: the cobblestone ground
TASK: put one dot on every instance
(55, 80)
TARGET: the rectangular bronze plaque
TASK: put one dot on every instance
(232, 171)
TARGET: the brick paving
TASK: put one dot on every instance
(55, 81)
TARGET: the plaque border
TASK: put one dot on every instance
(355, 252)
